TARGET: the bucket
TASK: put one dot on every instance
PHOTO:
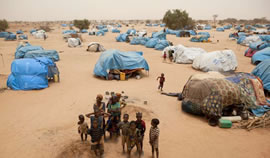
(122, 76)
(56, 78)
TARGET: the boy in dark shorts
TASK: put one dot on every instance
(97, 143)
(124, 126)
(154, 137)
(83, 127)
(140, 125)
(161, 81)
(134, 138)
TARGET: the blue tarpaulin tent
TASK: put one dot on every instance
(162, 25)
(172, 32)
(162, 44)
(84, 31)
(131, 31)
(28, 74)
(23, 37)
(139, 40)
(261, 56)
(21, 50)
(262, 71)
(152, 43)
(122, 37)
(160, 35)
(69, 32)
(265, 38)
(105, 30)
(52, 54)
(100, 27)
(19, 32)
(115, 31)
(148, 25)
(64, 25)
(100, 33)
(200, 38)
(221, 29)
(4, 34)
(115, 59)
(11, 37)
(207, 34)
(208, 27)
(33, 30)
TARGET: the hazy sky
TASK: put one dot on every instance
(45, 10)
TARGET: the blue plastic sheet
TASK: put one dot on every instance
(4, 34)
(207, 34)
(262, 71)
(261, 55)
(160, 35)
(11, 37)
(115, 59)
(207, 27)
(69, 32)
(19, 32)
(23, 37)
(265, 38)
(221, 29)
(122, 37)
(131, 31)
(115, 31)
(162, 44)
(52, 54)
(260, 110)
(162, 25)
(152, 43)
(29, 74)
(84, 31)
(100, 33)
(139, 40)
(33, 30)
(21, 50)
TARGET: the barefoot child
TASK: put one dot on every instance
(154, 137)
(83, 127)
(161, 81)
(134, 137)
(124, 126)
(140, 125)
(96, 134)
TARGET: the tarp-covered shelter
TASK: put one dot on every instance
(117, 60)
(223, 61)
(31, 73)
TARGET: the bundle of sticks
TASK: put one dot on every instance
(260, 122)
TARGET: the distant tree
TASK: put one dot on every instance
(230, 20)
(3, 25)
(46, 28)
(202, 22)
(81, 24)
(215, 19)
(262, 20)
(148, 21)
(177, 19)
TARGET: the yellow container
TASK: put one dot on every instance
(122, 76)
(56, 78)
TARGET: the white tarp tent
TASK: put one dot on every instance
(182, 54)
(95, 47)
(223, 61)
(250, 39)
(74, 42)
(40, 34)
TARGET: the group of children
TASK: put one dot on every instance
(132, 132)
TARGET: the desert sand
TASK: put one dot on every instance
(43, 123)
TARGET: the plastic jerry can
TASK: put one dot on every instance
(224, 123)
(122, 76)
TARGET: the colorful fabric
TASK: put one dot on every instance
(259, 92)
(83, 128)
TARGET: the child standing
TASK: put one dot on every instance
(164, 56)
(161, 81)
(140, 125)
(83, 127)
(96, 134)
(134, 137)
(154, 137)
(124, 126)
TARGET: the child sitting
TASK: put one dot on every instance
(124, 126)
(134, 138)
(154, 136)
(83, 127)
(96, 134)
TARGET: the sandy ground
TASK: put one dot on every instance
(43, 123)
